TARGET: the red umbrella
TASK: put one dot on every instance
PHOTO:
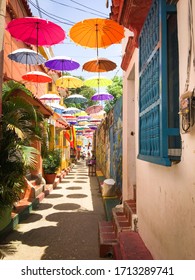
(36, 31)
(37, 77)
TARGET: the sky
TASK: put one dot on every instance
(68, 12)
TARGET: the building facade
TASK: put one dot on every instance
(158, 122)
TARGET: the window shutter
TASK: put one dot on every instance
(159, 141)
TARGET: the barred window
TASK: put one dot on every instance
(159, 136)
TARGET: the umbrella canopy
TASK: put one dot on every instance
(37, 77)
(94, 109)
(75, 98)
(71, 110)
(100, 96)
(36, 31)
(97, 82)
(69, 116)
(62, 63)
(83, 118)
(99, 65)
(69, 82)
(96, 33)
(81, 114)
(26, 56)
(57, 108)
(50, 96)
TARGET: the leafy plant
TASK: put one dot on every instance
(52, 161)
(20, 124)
(116, 90)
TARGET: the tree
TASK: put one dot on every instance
(87, 92)
(116, 89)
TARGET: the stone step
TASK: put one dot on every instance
(131, 247)
(129, 208)
(120, 220)
(37, 190)
(107, 238)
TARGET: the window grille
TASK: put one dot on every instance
(159, 137)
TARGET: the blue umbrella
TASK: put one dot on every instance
(27, 56)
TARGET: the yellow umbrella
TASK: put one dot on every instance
(97, 81)
(69, 82)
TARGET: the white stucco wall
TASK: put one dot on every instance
(165, 195)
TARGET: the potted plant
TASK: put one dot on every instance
(51, 163)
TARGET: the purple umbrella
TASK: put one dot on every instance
(62, 63)
(100, 96)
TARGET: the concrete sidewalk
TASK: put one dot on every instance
(65, 224)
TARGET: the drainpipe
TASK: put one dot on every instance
(2, 27)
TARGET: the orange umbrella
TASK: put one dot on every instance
(99, 65)
(96, 33)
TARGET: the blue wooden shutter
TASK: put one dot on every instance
(158, 141)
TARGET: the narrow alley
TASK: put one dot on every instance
(65, 224)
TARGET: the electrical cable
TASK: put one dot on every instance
(87, 7)
(39, 10)
(49, 15)
(76, 8)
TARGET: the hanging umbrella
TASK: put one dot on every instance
(96, 33)
(71, 110)
(37, 77)
(102, 96)
(97, 81)
(57, 108)
(69, 82)
(94, 109)
(75, 98)
(81, 114)
(36, 31)
(26, 56)
(50, 96)
(99, 65)
(83, 118)
(62, 63)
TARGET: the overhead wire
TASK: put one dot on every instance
(87, 7)
(52, 16)
(62, 4)
(39, 10)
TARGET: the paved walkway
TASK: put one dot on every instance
(65, 224)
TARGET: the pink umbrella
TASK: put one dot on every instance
(94, 109)
(36, 31)
(37, 77)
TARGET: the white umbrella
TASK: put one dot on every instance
(50, 96)
(75, 98)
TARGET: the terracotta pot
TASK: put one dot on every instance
(50, 178)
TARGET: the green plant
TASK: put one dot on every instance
(52, 161)
(20, 125)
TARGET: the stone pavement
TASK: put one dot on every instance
(65, 224)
